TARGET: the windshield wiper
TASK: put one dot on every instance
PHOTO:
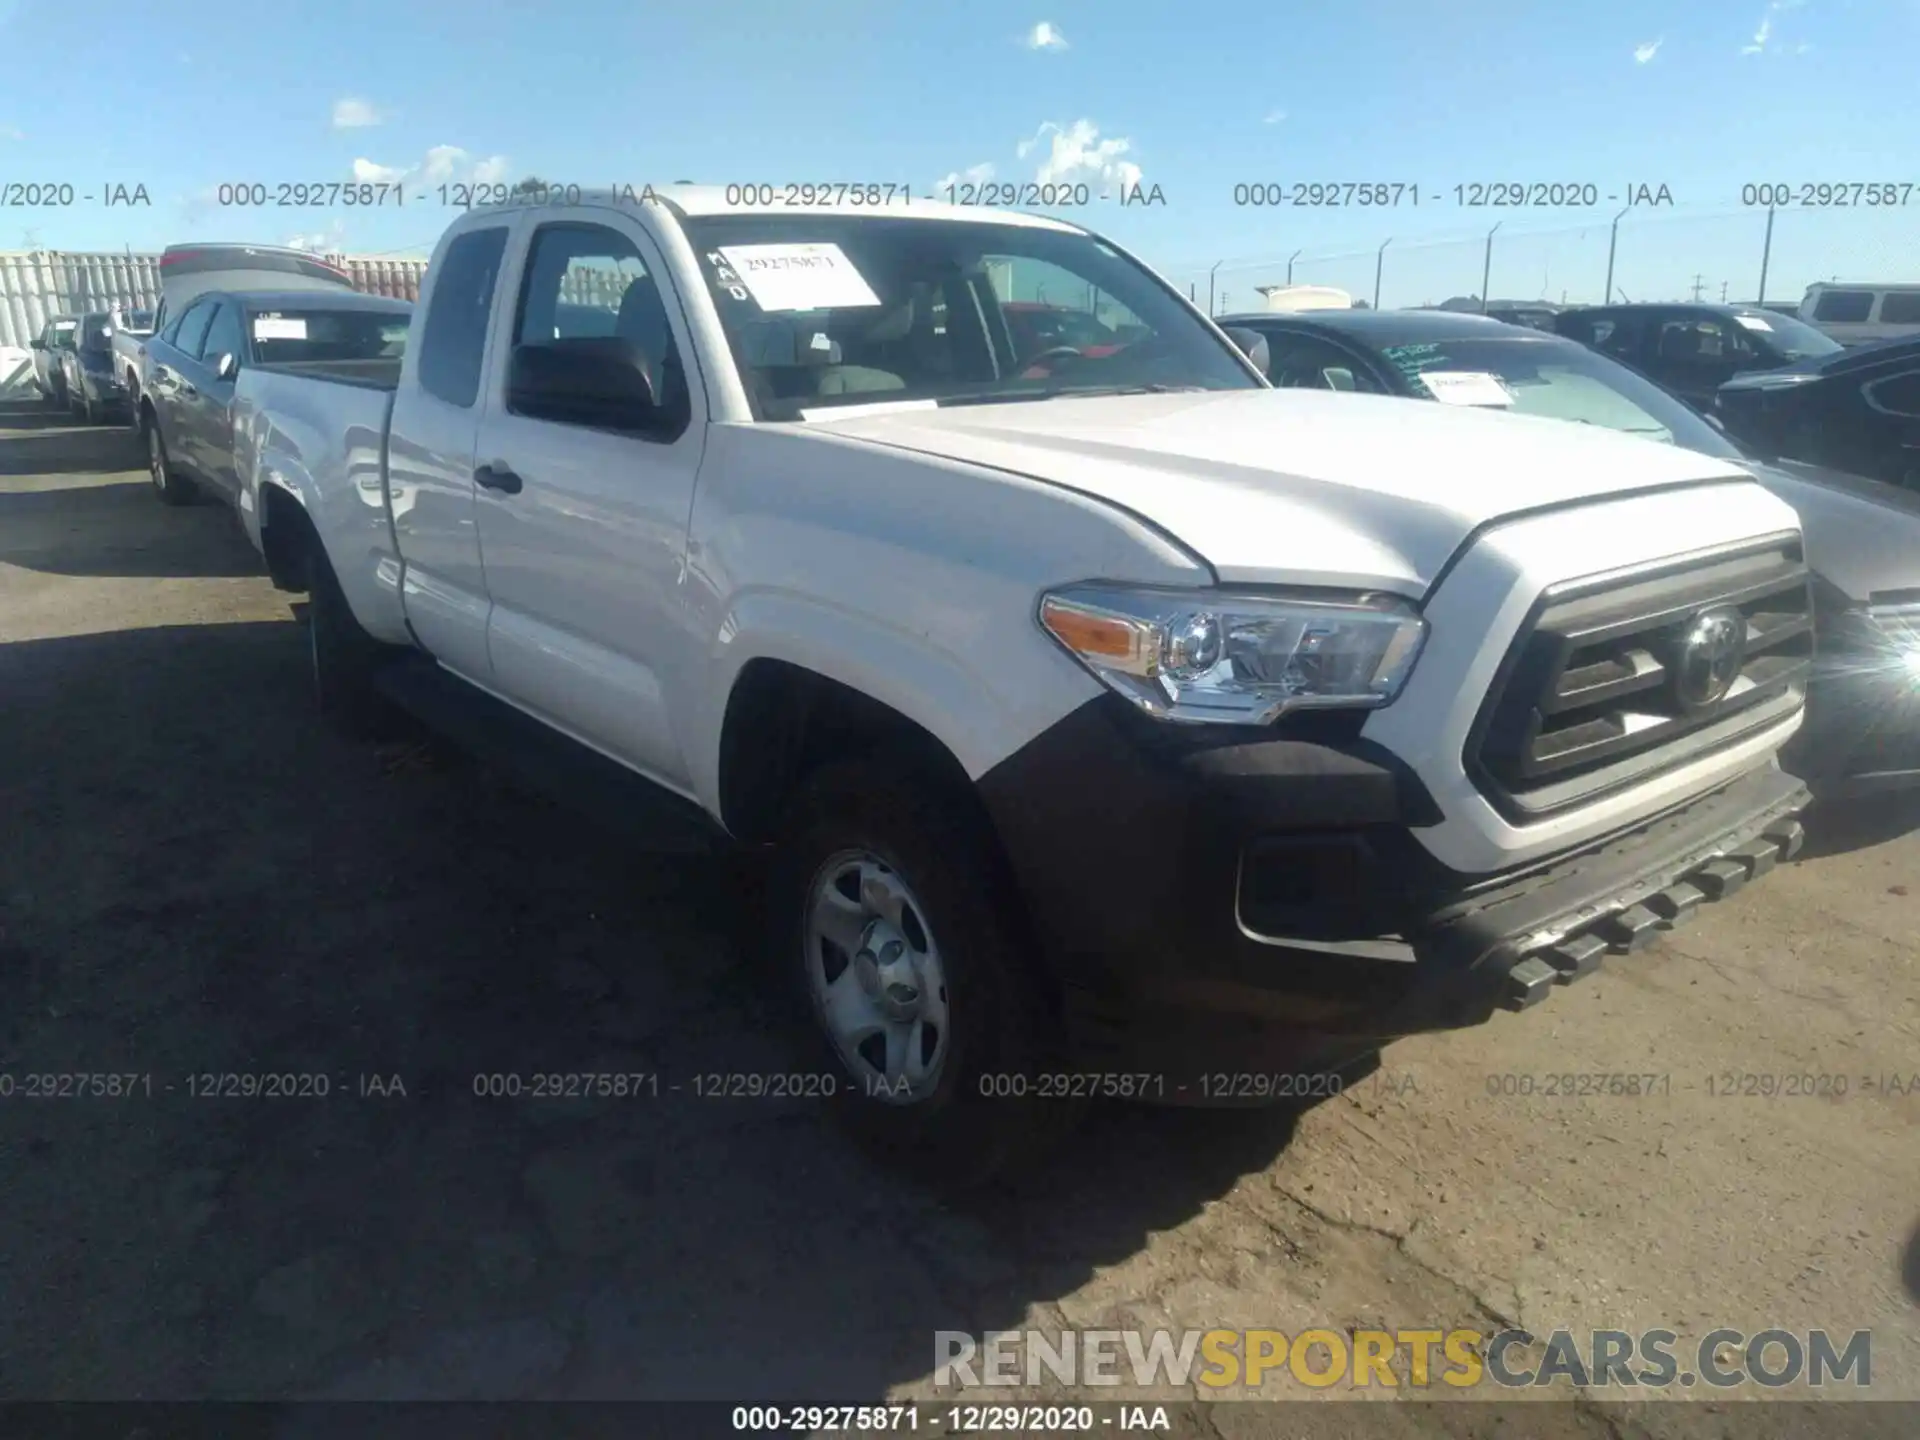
(1067, 392)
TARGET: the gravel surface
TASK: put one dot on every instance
(197, 879)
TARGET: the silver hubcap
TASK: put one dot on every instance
(874, 972)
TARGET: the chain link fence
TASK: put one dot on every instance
(1720, 256)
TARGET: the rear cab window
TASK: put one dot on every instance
(286, 335)
(453, 342)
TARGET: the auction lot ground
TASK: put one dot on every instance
(196, 877)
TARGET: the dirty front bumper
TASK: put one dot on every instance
(1215, 903)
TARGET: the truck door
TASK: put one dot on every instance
(584, 507)
(429, 468)
(210, 412)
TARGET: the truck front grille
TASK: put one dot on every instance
(1615, 679)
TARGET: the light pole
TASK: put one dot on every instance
(1379, 264)
(1486, 269)
(1766, 254)
(1290, 259)
(1216, 265)
(1613, 240)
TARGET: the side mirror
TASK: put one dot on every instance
(1253, 345)
(227, 366)
(37, 343)
(597, 381)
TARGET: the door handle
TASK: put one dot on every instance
(498, 477)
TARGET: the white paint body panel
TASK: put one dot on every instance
(903, 552)
(1298, 486)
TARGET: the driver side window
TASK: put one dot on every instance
(1047, 308)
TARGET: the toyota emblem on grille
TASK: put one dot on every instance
(1713, 647)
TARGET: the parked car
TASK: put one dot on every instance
(186, 413)
(1856, 409)
(93, 389)
(1694, 349)
(188, 271)
(53, 341)
(1863, 538)
(1533, 314)
(1862, 314)
(1133, 719)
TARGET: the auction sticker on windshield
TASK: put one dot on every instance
(1752, 322)
(1465, 387)
(799, 277)
(279, 327)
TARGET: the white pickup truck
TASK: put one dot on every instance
(1121, 725)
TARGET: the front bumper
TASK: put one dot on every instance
(1220, 903)
(103, 388)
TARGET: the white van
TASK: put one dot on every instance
(1857, 314)
(1293, 299)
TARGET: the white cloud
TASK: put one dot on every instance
(1763, 42)
(1045, 36)
(330, 240)
(1076, 152)
(1273, 117)
(1643, 53)
(442, 165)
(350, 112)
(972, 175)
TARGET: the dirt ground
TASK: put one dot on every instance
(196, 878)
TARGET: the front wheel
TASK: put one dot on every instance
(168, 485)
(895, 919)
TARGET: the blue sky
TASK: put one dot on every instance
(1696, 95)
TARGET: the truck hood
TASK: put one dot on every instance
(1373, 491)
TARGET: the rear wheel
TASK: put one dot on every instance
(172, 488)
(894, 918)
(343, 657)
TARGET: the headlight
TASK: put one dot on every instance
(1237, 659)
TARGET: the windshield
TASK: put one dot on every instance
(1790, 338)
(284, 336)
(1557, 380)
(63, 333)
(824, 311)
(137, 322)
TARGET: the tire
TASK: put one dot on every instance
(168, 484)
(944, 891)
(343, 658)
(89, 412)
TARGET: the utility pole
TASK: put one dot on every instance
(1486, 269)
(1698, 285)
(1210, 310)
(1723, 292)
(1613, 240)
(1766, 254)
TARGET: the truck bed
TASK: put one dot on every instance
(368, 374)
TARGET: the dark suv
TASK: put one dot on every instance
(1694, 349)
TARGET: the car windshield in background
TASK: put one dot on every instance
(1790, 338)
(287, 337)
(137, 322)
(823, 311)
(1559, 380)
